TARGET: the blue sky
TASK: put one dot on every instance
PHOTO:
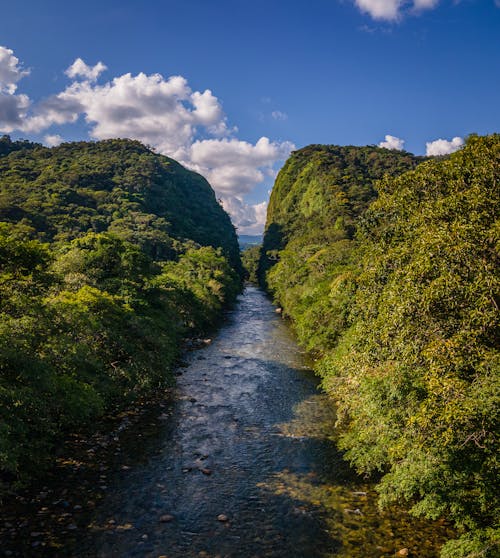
(326, 71)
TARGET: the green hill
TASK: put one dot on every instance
(109, 255)
(395, 287)
(117, 186)
(318, 199)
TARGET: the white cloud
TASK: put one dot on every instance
(10, 71)
(13, 108)
(278, 115)
(164, 113)
(189, 126)
(443, 147)
(392, 142)
(250, 219)
(380, 9)
(52, 140)
(392, 10)
(233, 166)
(497, 3)
(80, 69)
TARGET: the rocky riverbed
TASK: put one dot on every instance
(239, 460)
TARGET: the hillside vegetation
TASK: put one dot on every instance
(394, 285)
(109, 256)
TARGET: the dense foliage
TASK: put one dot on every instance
(117, 186)
(404, 319)
(316, 203)
(109, 255)
(250, 258)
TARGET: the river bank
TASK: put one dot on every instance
(239, 461)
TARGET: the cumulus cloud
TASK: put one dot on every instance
(52, 140)
(82, 70)
(13, 108)
(392, 10)
(392, 142)
(10, 71)
(233, 166)
(250, 219)
(443, 147)
(165, 113)
(380, 9)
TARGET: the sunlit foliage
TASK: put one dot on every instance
(109, 256)
(403, 314)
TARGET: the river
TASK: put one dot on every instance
(242, 464)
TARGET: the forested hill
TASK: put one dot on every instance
(119, 186)
(109, 256)
(394, 286)
(322, 190)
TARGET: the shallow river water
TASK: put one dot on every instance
(243, 464)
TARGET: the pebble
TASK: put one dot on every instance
(206, 471)
(166, 518)
(222, 518)
(125, 527)
(403, 552)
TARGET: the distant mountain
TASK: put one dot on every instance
(247, 240)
